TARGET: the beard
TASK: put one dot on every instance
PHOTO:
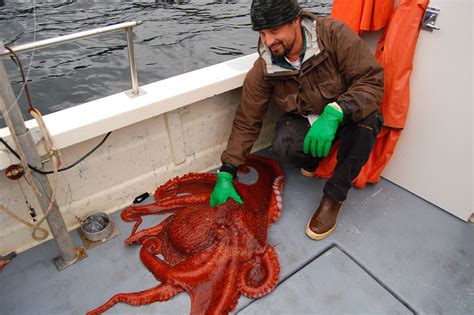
(279, 49)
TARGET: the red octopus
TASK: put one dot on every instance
(5, 260)
(215, 254)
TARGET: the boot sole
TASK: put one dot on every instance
(306, 173)
(316, 236)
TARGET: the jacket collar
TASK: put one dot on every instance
(308, 25)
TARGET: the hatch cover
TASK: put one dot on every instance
(331, 284)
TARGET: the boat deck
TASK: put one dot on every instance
(391, 252)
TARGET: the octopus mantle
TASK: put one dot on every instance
(215, 254)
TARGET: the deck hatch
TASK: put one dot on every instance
(330, 284)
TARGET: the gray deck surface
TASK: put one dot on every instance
(391, 253)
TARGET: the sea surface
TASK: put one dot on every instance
(175, 37)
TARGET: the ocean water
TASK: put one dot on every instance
(175, 37)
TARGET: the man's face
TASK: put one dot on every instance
(281, 39)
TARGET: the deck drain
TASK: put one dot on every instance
(97, 228)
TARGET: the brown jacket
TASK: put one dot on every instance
(337, 66)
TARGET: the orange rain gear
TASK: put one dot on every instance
(363, 15)
(395, 52)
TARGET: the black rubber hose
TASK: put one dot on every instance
(61, 169)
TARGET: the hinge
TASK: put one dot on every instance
(429, 19)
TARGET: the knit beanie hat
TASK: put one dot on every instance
(272, 13)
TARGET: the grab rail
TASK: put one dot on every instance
(128, 26)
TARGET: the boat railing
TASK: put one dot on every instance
(127, 26)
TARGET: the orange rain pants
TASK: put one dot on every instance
(395, 52)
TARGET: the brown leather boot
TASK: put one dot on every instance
(324, 220)
(306, 172)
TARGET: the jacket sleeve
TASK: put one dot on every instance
(256, 94)
(361, 71)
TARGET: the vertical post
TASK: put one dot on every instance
(68, 253)
(131, 59)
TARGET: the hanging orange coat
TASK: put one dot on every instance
(395, 53)
(363, 15)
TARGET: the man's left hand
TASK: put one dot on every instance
(321, 134)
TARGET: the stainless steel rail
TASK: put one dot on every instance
(128, 26)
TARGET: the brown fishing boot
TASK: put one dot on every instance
(307, 172)
(324, 220)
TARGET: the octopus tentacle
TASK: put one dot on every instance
(134, 213)
(263, 162)
(263, 189)
(3, 263)
(183, 201)
(160, 293)
(140, 237)
(230, 294)
(189, 183)
(260, 276)
(224, 299)
(227, 300)
(276, 199)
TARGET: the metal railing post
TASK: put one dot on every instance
(68, 253)
(131, 59)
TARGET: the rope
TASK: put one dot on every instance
(50, 149)
(56, 161)
(55, 156)
(15, 217)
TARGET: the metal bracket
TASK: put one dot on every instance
(60, 264)
(429, 19)
(131, 94)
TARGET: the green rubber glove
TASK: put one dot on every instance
(224, 189)
(319, 137)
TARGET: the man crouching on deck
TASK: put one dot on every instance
(330, 86)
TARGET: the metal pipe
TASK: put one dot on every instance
(71, 37)
(68, 253)
(131, 59)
